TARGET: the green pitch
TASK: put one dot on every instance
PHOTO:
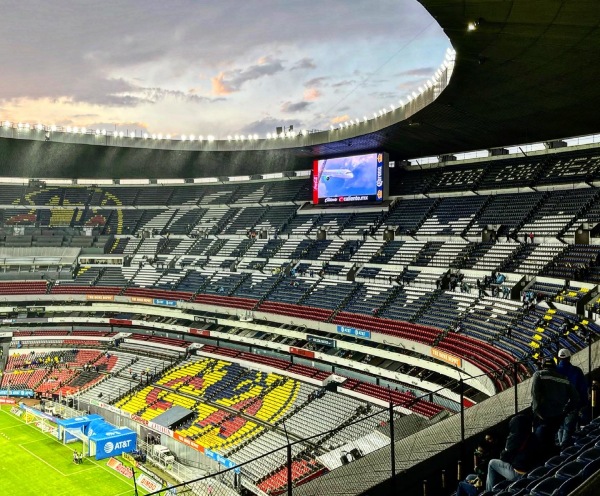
(36, 464)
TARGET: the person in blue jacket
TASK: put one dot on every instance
(577, 379)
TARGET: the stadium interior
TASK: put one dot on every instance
(277, 346)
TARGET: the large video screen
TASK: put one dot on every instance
(358, 178)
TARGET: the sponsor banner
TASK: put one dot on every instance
(113, 409)
(165, 303)
(119, 467)
(160, 428)
(120, 322)
(139, 299)
(130, 459)
(188, 442)
(106, 447)
(148, 483)
(351, 331)
(206, 320)
(99, 297)
(7, 401)
(20, 393)
(139, 420)
(444, 356)
(321, 341)
(29, 309)
(302, 352)
(199, 332)
(221, 459)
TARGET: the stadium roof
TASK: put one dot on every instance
(527, 73)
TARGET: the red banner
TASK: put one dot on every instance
(122, 322)
(302, 352)
(199, 332)
(7, 401)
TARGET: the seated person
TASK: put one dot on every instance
(519, 455)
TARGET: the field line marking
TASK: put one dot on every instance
(42, 460)
(45, 434)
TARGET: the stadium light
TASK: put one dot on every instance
(268, 135)
(6, 123)
(192, 137)
(121, 134)
(39, 127)
(210, 138)
(168, 136)
(160, 136)
(365, 118)
(145, 136)
(68, 129)
(154, 136)
(83, 130)
(256, 136)
(229, 138)
(471, 26)
(104, 132)
(183, 137)
(97, 132)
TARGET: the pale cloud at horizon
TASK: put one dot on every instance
(216, 68)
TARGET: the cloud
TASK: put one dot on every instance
(289, 107)
(231, 81)
(418, 72)
(129, 125)
(305, 63)
(311, 94)
(345, 82)
(268, 125)
(318, 81)
(340, 118)
(219, 86)
(153, 95)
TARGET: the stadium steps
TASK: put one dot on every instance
(579, 215)
(270, 290)
(531, 214)
(391, 298)
(428, 214)
(345, 301)
(476, 217)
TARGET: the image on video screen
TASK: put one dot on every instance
(348, 176)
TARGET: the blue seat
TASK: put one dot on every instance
(539, 472)
(553, 486)
(558, 460)
(502, 485)
(590, 454)
(571, 469)
(571, 450)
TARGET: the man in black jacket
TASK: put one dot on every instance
(519, 456)
(552, 398)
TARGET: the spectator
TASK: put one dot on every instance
(552, 398)
(487, 449)
(519, 455)
(577, 379)
(470, 486)
(531, 236)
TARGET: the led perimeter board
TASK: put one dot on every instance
(357, 178)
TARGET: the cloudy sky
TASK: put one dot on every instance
(211, 66)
